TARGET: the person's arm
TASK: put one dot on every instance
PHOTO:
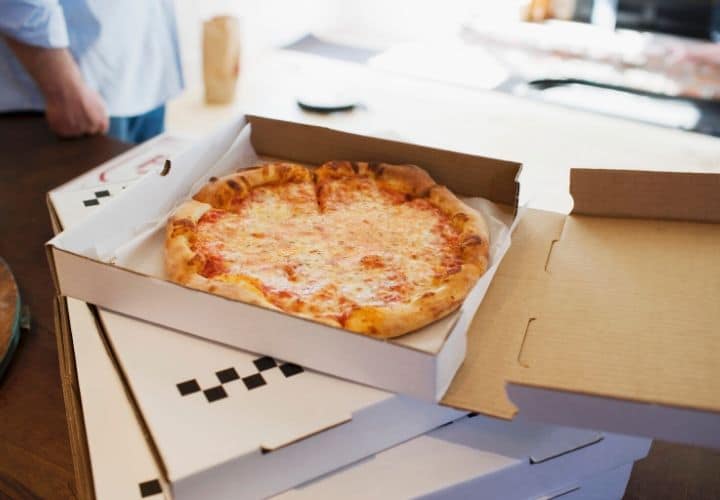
(71, 107)
(36, 33)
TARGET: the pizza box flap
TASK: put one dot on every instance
(650, 195)
(616, 300)
(464, 174)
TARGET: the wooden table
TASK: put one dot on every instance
(35, 458)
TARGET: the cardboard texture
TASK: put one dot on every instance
(130, 236)
(71, 205)
(496, 333)
(463, 174)
(599, 305)
(122, 465)
(476, 456)
(607, 485)
(224, 420)
(637, 419)
(616, 301)
(73, 406)
(127, 167)
(649, 195)
(250, 413)
(480, 457)
(131, 165)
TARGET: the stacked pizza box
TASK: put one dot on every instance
(210, 398)
(469, 456)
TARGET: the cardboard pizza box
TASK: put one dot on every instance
(211, 425)
(94, 394)
(607, 317)
(114, 258)
(106, 180)
(603, 318)
(481, 457)
(115, 465)
(225, 420)
(606, 485)
(222, 421)
(478, 457)
(132, 164)
(122, 464)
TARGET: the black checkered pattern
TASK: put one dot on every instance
(150, 488)
(230, 375)
(95, 200)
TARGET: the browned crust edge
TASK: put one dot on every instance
(182, 263)
(219, 192)
(380, 322)
(399, 319)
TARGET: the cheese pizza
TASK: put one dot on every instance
(376, 249)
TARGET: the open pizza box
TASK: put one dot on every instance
(223, 421)
(468, 457)
(114, 379)
(217, 419)
(482, 457)
(114, 258)
(606, 317)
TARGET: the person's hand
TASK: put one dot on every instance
(76, 110)
(72, 108)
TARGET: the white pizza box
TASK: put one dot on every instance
(114, 257)
(472, 457)
(481, 457)
(212, 426)
(130, 165)
(121, 464)
(224, 420)
(108, 179)
(608, 485)
(604, 318)
(116, 465)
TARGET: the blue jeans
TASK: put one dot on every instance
(140, 128)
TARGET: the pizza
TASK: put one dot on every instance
(373, 248)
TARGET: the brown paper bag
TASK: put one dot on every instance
(221, 58)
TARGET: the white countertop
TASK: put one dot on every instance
(548, 139)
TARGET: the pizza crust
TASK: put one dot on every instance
(220, 192)
(182, 264)
(391, 320)
(180, 260)
(475, 238)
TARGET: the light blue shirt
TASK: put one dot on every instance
(127, 50)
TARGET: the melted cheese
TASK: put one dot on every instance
(326, 253)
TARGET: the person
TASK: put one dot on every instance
(93, 66)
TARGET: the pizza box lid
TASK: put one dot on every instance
(607, 317)
(601, 311)
(601, 308)
(204, 417)
(494, 453)
(96, 401)
(517, 458)
(113, 258)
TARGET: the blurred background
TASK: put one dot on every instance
(653, 61)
